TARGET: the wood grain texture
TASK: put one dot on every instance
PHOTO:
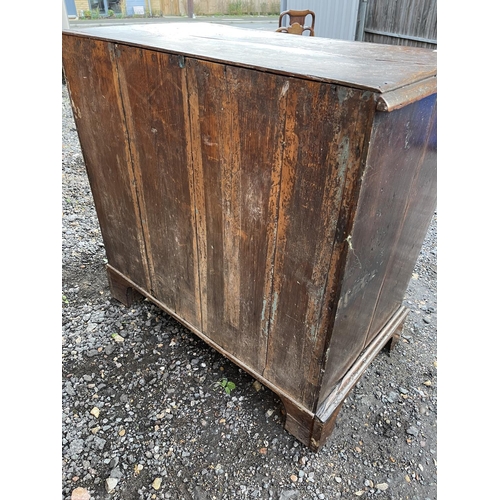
(396, 202)
(370, 66)
(98, 110)
(151, 85)
(327, 412)
(405, 22)
(318, 165)
(236, 145)
(416, 155)
(273, 211)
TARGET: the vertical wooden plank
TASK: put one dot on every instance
(95, 97)
(152, 87)
(317, 162)
(237, 151)
(231, 210)
(256, 138)
(206, 118)
(414, 18)
(272, 218)
(198, 208)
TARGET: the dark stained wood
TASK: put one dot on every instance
(100, 121)
(318, 163)
(122, 289)
(151, 86)
(415, 155)
(406, 95)
(399, 187)
(276, 209)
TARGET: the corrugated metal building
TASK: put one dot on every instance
(334, 19)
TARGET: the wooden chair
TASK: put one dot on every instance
(296, 24)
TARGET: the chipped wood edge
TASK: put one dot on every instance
(342, 389)
(398, 98)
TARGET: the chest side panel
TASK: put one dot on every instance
(414, 184)
(275, 163)
(396, 203)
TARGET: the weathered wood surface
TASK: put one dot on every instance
(374, 67)
(396, 203)
(321, 167)
(277, 217)
(404, 96)
(96, 100)
(236, 151)
(151, 87)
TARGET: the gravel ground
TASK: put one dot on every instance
(143, 415)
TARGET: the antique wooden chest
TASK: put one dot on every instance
(271, 192)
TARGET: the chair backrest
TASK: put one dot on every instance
(296, 22)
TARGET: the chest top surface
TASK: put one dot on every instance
(375, 67)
